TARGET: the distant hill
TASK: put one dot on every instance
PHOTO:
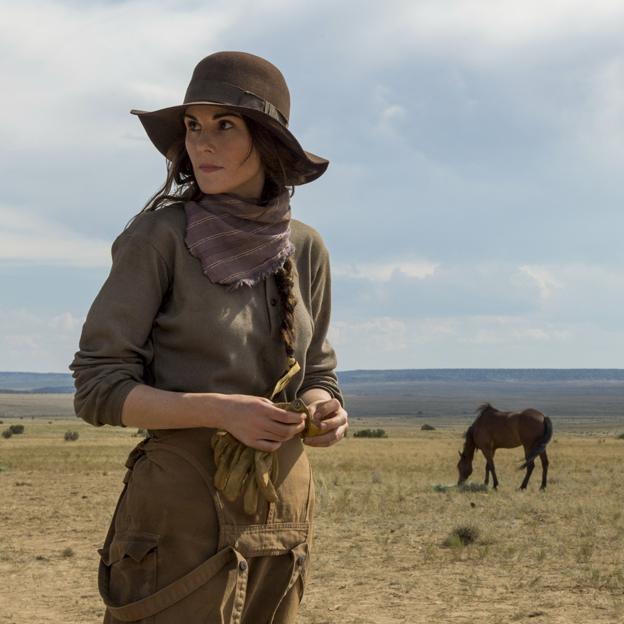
(525, 375)
(372, 381)
(36, 383)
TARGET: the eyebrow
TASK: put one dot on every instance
(215, 116)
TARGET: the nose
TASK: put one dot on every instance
(205, 142)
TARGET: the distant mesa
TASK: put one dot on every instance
(36, 383)
(363, 382)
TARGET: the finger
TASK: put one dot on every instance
(281, 432)
(327, 408)
(286, 417)
(264, 444)
(334, 422)
(327, 439)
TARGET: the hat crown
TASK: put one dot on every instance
(247, 72)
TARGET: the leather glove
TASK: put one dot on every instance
(242, 469)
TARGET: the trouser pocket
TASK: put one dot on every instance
(212, 592)
(128, 569)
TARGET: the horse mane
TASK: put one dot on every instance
(469, 444)
(484, 407)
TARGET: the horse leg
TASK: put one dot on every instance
(529, 469)
(493, 471)
(487, 473)
(544, 460)
(489, 466)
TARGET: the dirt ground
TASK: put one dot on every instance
(381, 525)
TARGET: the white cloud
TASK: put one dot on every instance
(510, 331)
(29, 239)
(72, 70)
(384, 271)
(376, 335)
(37, 342)
(390, 114)
(599, 126)
(66, 322)
(483, 32)
(479, 128)
(552, 293)
(543, 278)
(475, 342)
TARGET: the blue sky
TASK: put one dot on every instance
(472, 208)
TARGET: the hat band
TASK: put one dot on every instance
(227, 94)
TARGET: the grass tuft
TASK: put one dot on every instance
(473, 487)
(462, 536)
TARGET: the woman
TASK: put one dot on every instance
(210, 332)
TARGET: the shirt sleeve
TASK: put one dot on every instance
(115, 345)
(321, 357)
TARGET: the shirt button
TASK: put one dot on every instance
(274, 301)
(242, 566)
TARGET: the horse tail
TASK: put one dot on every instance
(540, 447)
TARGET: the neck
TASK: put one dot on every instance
(469, 445)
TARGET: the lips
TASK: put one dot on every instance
(209, 168)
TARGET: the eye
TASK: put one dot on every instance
(191, 125)
(225, 124)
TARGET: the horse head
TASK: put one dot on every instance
(464, 467)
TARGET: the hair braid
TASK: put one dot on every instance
(285, 283)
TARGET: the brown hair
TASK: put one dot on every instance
(281, 169)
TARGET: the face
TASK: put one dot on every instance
(464, 467)
(221, 150)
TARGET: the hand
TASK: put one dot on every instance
(256, 422)
(331, 418)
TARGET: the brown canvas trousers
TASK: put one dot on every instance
(177, 552)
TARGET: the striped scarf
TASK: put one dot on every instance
(238, 242)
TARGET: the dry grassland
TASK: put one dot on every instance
(553, 557)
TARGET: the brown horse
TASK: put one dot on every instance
(493, 429)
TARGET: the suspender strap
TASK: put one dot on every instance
(179, 589)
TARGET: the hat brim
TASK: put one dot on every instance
(165, 128)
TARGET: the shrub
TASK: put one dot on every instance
(473, 487)
(68, 552)
(16, 428)
(427, 427)
(70, 436)
(462, 536)
(370, 433)
(621, 436)
(7, 433)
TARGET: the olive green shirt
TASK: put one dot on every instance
(158, 320)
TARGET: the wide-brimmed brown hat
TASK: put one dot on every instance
(246, 83)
